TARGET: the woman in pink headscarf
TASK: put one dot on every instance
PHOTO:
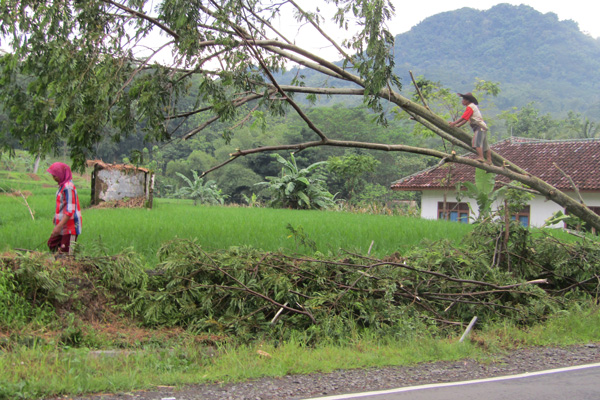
(67, 217)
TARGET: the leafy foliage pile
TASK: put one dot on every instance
(244, 291)
(35, 288)
(247, 294)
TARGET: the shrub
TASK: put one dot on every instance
(298, 188)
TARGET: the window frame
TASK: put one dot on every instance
(525, 212)
(461, 209)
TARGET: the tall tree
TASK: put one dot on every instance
(580, 127)
(349, 171)
(90, 60)
(528, 122)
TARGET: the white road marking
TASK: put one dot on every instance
(451, 384)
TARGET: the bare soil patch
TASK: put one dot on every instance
(138, 202)
(17, 193)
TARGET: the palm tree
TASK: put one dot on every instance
(590, 129)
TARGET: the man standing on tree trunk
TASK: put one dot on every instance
(473, 116)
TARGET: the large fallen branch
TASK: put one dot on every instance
(246, 289)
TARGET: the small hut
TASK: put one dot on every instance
(121, 185)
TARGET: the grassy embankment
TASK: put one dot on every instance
(37, 371)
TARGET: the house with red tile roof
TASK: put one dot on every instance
(566, 164)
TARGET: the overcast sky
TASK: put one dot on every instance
(409, 13)
(585, 12)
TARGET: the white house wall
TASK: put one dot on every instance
(118, 184)
(540, 208)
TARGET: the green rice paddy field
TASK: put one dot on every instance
(214, 227)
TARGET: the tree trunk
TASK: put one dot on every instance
(36, 164)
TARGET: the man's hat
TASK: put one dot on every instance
(469, 96)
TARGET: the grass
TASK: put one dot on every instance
(75, 371)
(43, 370)
(562, 329)
(217, 227)
(222, 227)
(214, 227)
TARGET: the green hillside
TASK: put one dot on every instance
(534, 56)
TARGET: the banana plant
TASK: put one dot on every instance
(482, 191)
(200, 191)
(298, 188)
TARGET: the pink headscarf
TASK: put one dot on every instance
(61, 171)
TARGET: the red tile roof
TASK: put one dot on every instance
(580, 159)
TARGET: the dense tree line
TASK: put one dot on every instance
(356, 175)
(239, 179)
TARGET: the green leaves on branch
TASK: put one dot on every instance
(372, 56)
(85, 70)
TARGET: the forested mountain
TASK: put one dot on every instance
(534, 56)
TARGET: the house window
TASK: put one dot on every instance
(522, 216)
(457, 212)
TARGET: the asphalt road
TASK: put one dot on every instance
(573, 383)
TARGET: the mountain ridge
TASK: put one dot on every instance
(534, 56)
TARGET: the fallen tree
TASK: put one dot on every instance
(248, 293)
(92, 65)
